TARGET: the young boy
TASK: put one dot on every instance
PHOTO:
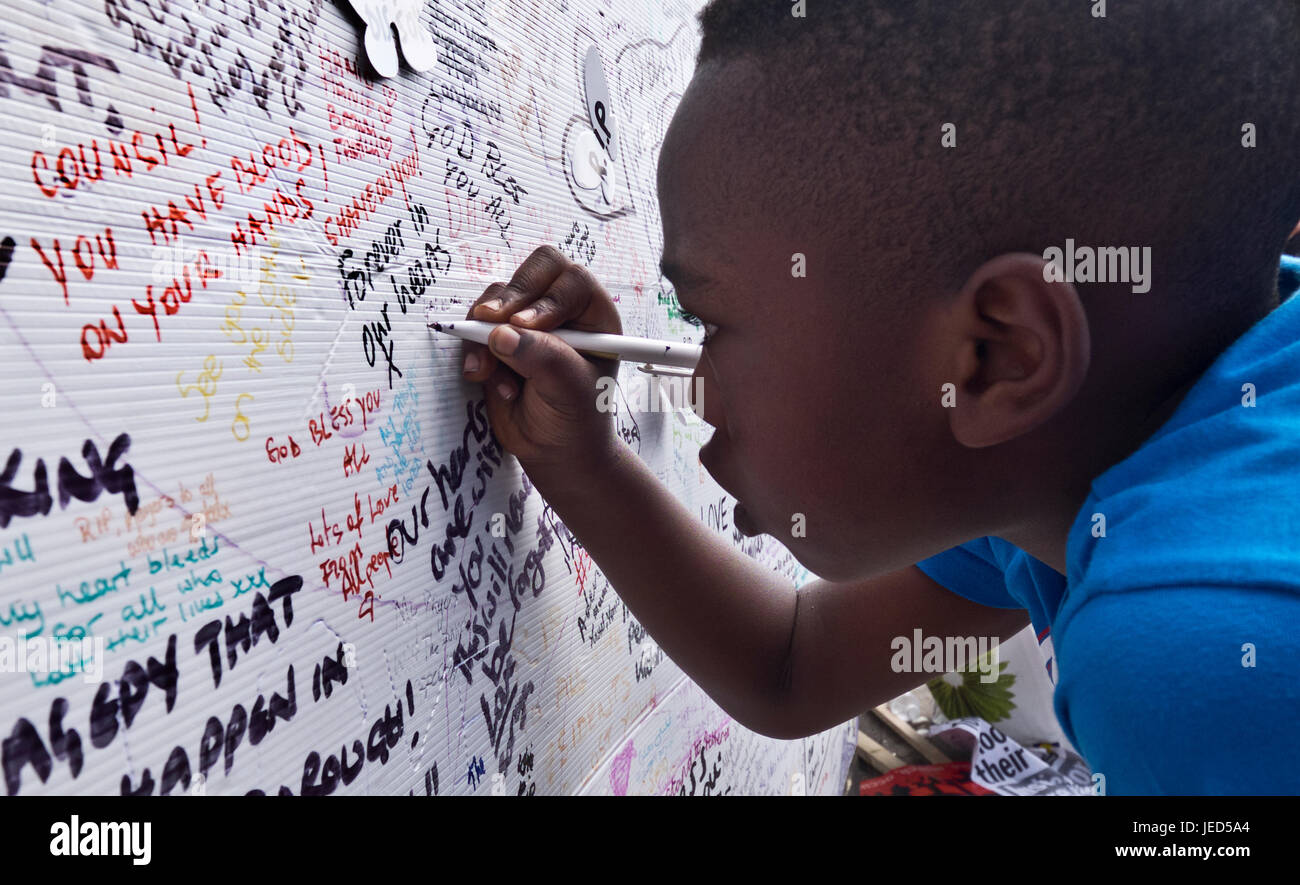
(1039, 368)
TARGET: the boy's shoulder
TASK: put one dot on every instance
(1184, 584)
(1212, 499)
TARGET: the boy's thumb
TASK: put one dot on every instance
(554, 368)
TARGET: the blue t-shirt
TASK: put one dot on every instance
(1176, 634)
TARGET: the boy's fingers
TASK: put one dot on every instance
(575, 300)
(478, 362)
(547, 291)
(502, 411)
(554, 367)
(503, 384)
(533, 277)
(484, 307)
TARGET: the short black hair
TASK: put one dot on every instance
(1123, 129)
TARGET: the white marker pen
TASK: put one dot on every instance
(601, 344)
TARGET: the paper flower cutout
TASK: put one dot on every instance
(381, 16)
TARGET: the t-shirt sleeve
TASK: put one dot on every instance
(973, 572)
(1183, 691)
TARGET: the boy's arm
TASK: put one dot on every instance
(839, 663)
(731, 624)
(721, 617)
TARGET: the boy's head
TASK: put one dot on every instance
(915, 160)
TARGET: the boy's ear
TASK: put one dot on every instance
(1020, 349)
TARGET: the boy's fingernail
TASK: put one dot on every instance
(505, 389)
(526, 316)
(505, 341)
(471, 363)
(494, 304)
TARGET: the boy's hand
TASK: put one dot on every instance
(541, 393)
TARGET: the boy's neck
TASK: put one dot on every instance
(1046, 537)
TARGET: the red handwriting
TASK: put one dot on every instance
(352, 462)
(333, 533)
(82, 254)
(165, 223)
(277, 454)
(367, 139)
(369, 117)
(354, 412)
(483, 264)
(367, 405)
(339, 74)
(290, 153)
(96, 340)
(179, 291)
(104, 336)
(365, 204)
(342, 415)
(351, 569)
(75, 164)
(330, 533)
(318, 432)
(464, 216)
(378, 506)
(280, 207)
